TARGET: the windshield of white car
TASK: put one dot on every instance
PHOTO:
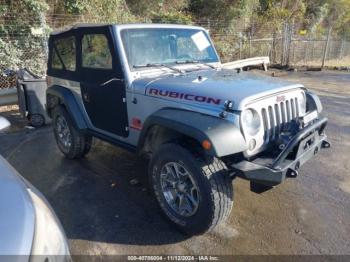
(167, 46)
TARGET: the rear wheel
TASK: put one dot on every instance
(71, 142)
(195, 193)
(36, 120)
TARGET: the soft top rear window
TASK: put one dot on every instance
(64, 54)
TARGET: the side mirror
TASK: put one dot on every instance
(4, 124)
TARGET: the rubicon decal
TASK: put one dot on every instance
(184, 96)
(280, 99)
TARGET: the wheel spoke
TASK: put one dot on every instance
(191, 200)
(182, 206)
(176, 170)
(170, 171)
(168, 181)
(179, 189)
(63, 132)
(169, 196)
(187, 205)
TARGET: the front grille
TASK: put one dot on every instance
(276, 116)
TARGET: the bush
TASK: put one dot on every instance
(172, 18)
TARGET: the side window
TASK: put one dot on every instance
(96, 52)
(63, 56)
(56, 63)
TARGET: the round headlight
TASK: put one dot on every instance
(251, 121)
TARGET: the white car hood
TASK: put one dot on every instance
(17, 215)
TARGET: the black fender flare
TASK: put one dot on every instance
(225, 137)
(61, 95)
(313, 102)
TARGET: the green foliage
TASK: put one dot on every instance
(19, 47)
(144, 8)
(74, 7)
(22, 53)
(36, 7)
(172, 17)
(221, 9)
(278, 11)
(108, 10)
(151, 8)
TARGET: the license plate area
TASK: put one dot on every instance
(307, 119)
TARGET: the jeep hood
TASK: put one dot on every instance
(213, 87)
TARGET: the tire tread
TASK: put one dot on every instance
(81, 143)
(214, 172)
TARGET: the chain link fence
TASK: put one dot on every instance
(286, 44)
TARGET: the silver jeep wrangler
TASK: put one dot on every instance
(161, 90)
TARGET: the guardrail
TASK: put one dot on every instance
(261, 60)
(8, 96)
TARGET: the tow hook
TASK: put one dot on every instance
(325, 144)
(292, 173)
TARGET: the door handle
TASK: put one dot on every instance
(112, 79)
(86, 97)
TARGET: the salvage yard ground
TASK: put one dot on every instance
(103, 212)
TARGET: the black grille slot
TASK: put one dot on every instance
(276, 116)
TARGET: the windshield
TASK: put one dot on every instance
(149, 46)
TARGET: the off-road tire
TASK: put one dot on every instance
(214, 183)
(36, 120)
(80, 143)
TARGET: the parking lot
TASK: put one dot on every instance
(105, 207)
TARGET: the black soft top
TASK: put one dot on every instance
(79, 27)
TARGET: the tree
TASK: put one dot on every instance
(221, 9)
(23, 40)
(278, 11)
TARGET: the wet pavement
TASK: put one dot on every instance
(103, 212)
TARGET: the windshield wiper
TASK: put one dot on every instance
(158, 65)
(194, 62)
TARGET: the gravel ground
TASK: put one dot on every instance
(103, 213)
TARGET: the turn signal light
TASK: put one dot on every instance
(206, 145)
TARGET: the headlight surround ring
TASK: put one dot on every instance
(251, 122)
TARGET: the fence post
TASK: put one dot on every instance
(326, 47)
(293, 52)
(240, 48)
(341, 49)
(290, 31)
(306, 51)
(250, 44)
(313, 49)
(273, 47)
(284, 42)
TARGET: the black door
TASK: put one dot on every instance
(102, 81)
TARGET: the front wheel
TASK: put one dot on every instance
(195, 194)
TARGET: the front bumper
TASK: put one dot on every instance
(272, 168)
